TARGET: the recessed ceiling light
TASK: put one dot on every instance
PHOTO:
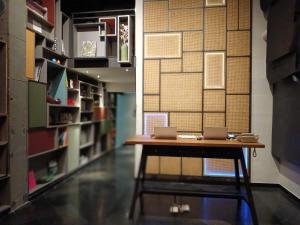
(87, 71)
(127, 70)
(98, 76)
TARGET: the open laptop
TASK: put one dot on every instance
(215, 133)
(165, 132)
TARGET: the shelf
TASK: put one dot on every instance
(89, 144)
(62, 125)
(40, 186)
(3, 115)
(55, 65)
(4, 177)
(86, 112)
(55, 53)
(86, 123)
(87, 25)
(3, 143)
(73, 90)
(86, 98)
(90, 58)
(48, 151)
(63, 106)
(39, 18)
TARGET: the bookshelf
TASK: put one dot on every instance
(4, 144)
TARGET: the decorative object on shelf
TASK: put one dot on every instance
(31, 180)
(124, 42)
(55, 45)
(88, 49)
(52, 168)
(63, 138)
(58, 61)
(52, 100)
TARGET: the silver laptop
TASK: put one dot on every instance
(215, 133)
(165, 132)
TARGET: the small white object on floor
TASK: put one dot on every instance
(185, 208)
(174, 209)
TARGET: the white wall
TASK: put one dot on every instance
(263, 167)
(139, 10)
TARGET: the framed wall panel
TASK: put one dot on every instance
(163, 45)
(211, 3)
(192, 61)
(181, 92)
(193, 41)
(238, 43)
(214, 101)
(179, 4)
(171, 65)
(238, 75)
(151, 103)
(223, 167)
(237, 113)
(170, 165)
(215, 29)
(186, 19)
(244, 14)
(214, 67)
(151, 76)
(192, 166)
(232, 14)
(214, 120)
(152, 120)
(156, 16)
(191, 122)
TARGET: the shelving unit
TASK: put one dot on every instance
(4, 144)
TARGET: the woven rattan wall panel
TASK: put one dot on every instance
(151, 77)
(214, 74)
(170, 165)
(156, 16)
(192, 166)
(237, 113)
(244, 14)
(197, 58)
(238, 75)
(232, 14)
(238, 43)
(210, 3)
(193, 41)
(224, 166)
(215, 28)
(171, 65)
(163, 45)
(214, 120)
(186, 19)
(181, 92)
(192, 61)
(183, 4)
(214, 101)
(152, 166)
(151, 103)
(191, 122)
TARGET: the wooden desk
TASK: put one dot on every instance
(219, 149)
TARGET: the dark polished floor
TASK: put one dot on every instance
(100, 195)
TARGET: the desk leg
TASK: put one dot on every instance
(137, 185)
(143, 181)
(248, 189)
(237, 174)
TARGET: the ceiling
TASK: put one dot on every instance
(69, 6)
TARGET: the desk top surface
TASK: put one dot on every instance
(147, 140)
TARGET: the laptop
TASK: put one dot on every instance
(165, 132)
(215, 133)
